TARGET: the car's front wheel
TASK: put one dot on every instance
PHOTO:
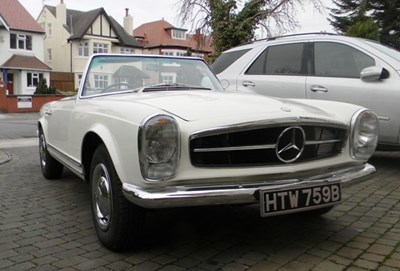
(51, 168)
(118, 223)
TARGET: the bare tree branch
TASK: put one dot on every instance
(232, 22)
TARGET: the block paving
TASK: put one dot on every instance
(47, 225)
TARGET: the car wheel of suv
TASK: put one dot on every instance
(118, 223)
(51, 168)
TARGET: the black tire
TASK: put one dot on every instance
(51, 168)
(118, 223)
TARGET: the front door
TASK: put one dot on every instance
(10, 83)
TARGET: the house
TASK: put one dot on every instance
(161, 37)
(72, 36)
(21, 49)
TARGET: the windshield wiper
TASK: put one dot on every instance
(172, 87)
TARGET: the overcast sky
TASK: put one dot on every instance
(144, 11)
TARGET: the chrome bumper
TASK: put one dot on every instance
(181, 196)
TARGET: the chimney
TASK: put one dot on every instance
(61, 13)
(128, 22)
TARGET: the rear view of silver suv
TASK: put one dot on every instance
(321, 66)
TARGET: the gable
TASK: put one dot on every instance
(101, 27)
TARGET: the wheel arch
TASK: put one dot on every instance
(94, 138)
(89, 145)
(40, 127)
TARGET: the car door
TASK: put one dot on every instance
(280, 70)
(336, 76)
(58, 122)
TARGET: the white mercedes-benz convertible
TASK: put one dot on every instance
(149, 131)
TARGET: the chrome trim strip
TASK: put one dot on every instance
(316, 142)
(260, 147)
(238, 148)
(383, 118)
(69, 162)
(247, 192)
(290, 121)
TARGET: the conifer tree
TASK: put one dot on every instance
(363, 18)
(387, 15)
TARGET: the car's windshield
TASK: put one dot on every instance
(385, 49)
(116, 73)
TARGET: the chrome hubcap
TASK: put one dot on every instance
(102, 197)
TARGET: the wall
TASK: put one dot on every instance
(56, 41)
(13, 103)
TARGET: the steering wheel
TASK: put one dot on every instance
(116, 87)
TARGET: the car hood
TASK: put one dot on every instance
(196, 105)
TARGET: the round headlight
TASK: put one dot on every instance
(365, 127)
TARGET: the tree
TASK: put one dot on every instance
(361, 25)
(346, 14)
(233, 22)
(364, 29)
(357, 17)
(387, 14)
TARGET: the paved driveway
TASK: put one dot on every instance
(46, 225)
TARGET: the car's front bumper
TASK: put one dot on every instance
(202, 195)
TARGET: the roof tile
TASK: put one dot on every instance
(158, 34)
(17, 17)
(25, 63)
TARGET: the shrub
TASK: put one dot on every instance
(42, 88)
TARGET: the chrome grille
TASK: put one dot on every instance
(258, 147)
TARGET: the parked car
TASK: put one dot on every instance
(321, 66)
(156, 132)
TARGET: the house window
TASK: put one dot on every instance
(50, 54)
(100, 81)
(100, 48)
(33, 78)
(178, 34)
(49, 30)
(126, 51)
(20, 41)
(174, 52)
(168, 78)
(83, 49)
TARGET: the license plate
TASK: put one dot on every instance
(282, 201)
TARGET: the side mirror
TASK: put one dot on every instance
(373, 74)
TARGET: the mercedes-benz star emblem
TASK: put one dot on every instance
(290, 144)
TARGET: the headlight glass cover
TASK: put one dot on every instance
(159, 147)
(365, 128)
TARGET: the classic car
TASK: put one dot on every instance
(148, 131)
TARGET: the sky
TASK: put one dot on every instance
(145, 11)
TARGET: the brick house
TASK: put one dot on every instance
(161, 37)
(72, 36)
(21, 49)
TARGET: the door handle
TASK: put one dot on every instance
(248, 84)
(316, 88)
